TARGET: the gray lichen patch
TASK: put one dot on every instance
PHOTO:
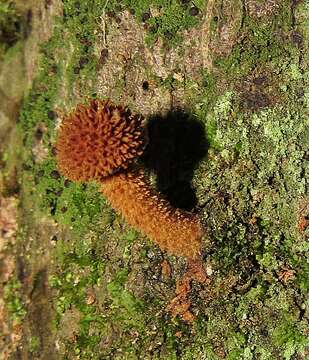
(262, 9)
(151, 79)
(225, 22)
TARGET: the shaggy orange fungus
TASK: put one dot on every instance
(176, 231)
(100, 142)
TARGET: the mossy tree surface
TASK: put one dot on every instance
(96, 283)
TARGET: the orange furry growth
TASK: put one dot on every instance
(174, 230)
(98, 140)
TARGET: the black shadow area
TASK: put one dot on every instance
(176, 144)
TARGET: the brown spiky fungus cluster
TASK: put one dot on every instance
(100, 142)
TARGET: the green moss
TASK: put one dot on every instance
(79, 272)
(13, 301)
(34, 344)
(170, 20)
(127, 309)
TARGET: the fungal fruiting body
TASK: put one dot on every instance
(174, 230)
(98, 140)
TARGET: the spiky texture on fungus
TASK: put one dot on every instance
(98, 140)
(174, 230)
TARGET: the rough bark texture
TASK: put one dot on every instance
(223, 86)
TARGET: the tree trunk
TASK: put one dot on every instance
(223, 87)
